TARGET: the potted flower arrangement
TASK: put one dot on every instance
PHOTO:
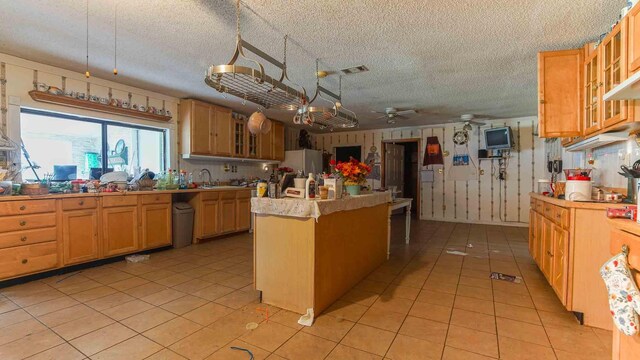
(353, 173)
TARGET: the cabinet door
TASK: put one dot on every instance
(559, 93)
(79, 236)
(614, 71)
(547, 244)
(252, 144)
(592, 92)
(633, 52)
(278, 141)
(209, 218)
(265, 143)
(201, 129)
(228, 215)
(559, 262)
(532, 233)
(120, 230)
(243, 214)
(239, 139)
(156, 225)
(223, 123)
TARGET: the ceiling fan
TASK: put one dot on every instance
(468, 120)
(391, 114)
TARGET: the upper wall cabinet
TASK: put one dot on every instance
(613, 51)
(206, 129)
(633, 51)
(592, 90)
(559, 93)
(278, 140)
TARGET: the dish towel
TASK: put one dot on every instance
(624, 298)
(433, 152)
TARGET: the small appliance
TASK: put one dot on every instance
(578, 186)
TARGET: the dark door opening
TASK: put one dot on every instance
(400, 169)
(344, 153)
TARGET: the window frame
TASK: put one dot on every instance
(103, 130)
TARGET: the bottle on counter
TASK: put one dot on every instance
(310, 187)
(183, 180)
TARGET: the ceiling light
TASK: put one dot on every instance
(355, 70)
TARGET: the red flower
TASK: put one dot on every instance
(332, 162)
(629, 298)
(615, 263)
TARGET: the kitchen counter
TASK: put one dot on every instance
(576, 204)
(309, 253)
(120, 193)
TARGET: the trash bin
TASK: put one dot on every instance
(182, 224)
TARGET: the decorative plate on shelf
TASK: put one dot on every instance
(461, 137)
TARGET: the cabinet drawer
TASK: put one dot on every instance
(26, 259)
(24, 222)
(561, 216)
(27, 237)
(532, 203)
(619, 238)
(119, 200)
(540, 206)
(8, 208)
(156, 199)
(79, 203)
(210, 195)
(227, 195)
(242, 194)
(548, 211)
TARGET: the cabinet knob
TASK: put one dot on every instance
(23, 207)
(23, 238)
(541, 101)
(81, 202)
(23, 223)
(24, 261)
(549, 253)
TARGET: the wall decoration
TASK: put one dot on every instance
(373, 160)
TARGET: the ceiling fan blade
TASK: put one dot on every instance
(478, 123)
(406, 112)
(381, 117)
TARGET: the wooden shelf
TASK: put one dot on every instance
(88, 105)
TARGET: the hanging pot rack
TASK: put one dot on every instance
(252, 84)
(332, 117)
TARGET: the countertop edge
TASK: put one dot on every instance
(122, 193)
(576, 204)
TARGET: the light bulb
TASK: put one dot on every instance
(87, 74)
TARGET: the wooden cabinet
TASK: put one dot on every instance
(252, 144)
(559, 263)
(22, 260)
(278, 141)
(79, 236)
(222, 131)
(633, 50)
(239, 138)
(210, 225)
(156, 225)
(243, 214)
(265, 146)
(613, 72)
(205, 129)
(546, 247)
(592, 90)
(559, 93)
(120, 230)
(228, 215)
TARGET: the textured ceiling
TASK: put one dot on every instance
(444, 57)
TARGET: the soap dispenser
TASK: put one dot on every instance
(310, 187)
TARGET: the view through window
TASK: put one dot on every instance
(69, 147)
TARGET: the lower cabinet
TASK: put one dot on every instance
(228, 215)
(120, 230)
(156, 225)
(79, 236)
(210, 225)
(221, 212)
(243, 214)
(559, 262)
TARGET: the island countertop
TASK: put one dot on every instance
(303, 208)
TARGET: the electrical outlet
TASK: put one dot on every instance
(481, 171)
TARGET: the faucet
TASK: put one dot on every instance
(208, 173)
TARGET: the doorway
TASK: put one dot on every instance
(400, 168)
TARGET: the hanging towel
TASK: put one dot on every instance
(433, 152)
(624, 298)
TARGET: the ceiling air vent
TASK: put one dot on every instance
(354, 70)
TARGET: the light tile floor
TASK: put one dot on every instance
(195, 303)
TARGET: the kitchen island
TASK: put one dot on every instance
(309, 253)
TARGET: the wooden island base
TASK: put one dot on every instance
(300, 263)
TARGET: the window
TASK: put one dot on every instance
(69, 147)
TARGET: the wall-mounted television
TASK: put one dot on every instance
(498, 138)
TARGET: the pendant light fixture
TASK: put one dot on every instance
(87, 74)
(115, 39)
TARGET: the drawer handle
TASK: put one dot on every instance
(23, 238)
(81, 202)
(23, 223)
(549, 253)
(24, 261)
(23, 207)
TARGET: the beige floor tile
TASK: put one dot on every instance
(192, 286)
(565, 319)
(198, 345)
(287, 318)
(148, 319)
(474, 320)
(436, 298)
(19, 330)
(476, 305)
(362, 297)
(145, 290)
(36, 297)
(128, 283)
(512, 299)
(6, 305)
(306, 346)
(377, 287)
(472, 340)
(60, 352)
(172, 331)
(329, 327)
(513, 349)
(382, 319)
(165, 354)
(51, 306)
(447, 288)
(75, 328)
(71, 289)
(96, 341)
(213, 292)
(184, 304)
(95, 293)
(578, 340)
(398, 305)
(342, 352)
(13, 317)
(522, 331)
(238, 299)
(369, 339)
(30, 345)
(346, 310)
(208, 313)
(216, 277)
(109, 301)
(237, 282)
(451, 353)
(431, 311)
(227, 353)
(411, 348)
(517, 313)
(474, 282)
(399, 291)
(424, 329)
(127, 309)
(568, 355)
(135, 348)
(157, 274)
(65, 315)
(475, 292)
(163, 297)
(268, 336)
(111, 276)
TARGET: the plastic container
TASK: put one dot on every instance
(182, 224)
